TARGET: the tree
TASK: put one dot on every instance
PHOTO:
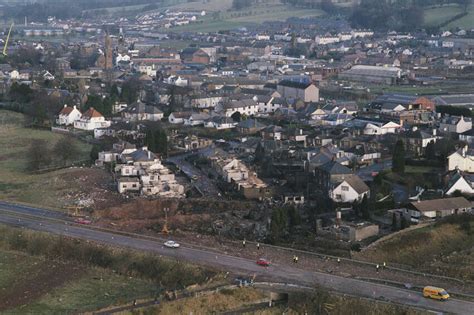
(66, 150)
(398, 157)
(236, 116)
(365, 208)
(39, 155)
(94, 154)
(430, 151)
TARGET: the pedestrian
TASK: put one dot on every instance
(134, 302)
(296, 259)
(243, 243)
(258, 246)
(339, 260)
(377, 267)
(384, 265)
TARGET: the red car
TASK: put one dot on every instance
(263, 262)
(83, 221)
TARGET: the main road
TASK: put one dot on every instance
(56, 223)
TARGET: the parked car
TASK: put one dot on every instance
(263, 262)
(83, 221)
(171, 244)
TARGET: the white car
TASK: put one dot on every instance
(171, 244)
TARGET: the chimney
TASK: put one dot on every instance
(435, 132)
(464, 151)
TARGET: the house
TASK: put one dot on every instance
(439, 208)
(178, 117)
(91, 120)
(220, 123)
(230, 169)
(308, 92)
(250, 126)
(68, 115)
(141, 112)
(329, 174)
(462, 160)
(460, 182)
(351, 189)
(455, 124)
(128, 184)
(246, 107)
(417, 140)
(196, 119)
(376, 129)
(235, 172)
(141, 171)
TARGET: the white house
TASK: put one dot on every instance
(221, 123)
(351, 189)
(196, 119)
(462, 159)
(376, 129)
(91, 120)
(141, 112)
(178, 117)
(68, 115)
(244, 107)
(460, 183)
(455, 124)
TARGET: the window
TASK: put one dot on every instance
(134, 185)
(344, 188)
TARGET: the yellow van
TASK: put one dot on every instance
(435, 293)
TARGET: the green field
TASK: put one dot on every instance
(235, 19)
(437, 15)
(16, 183)
(71, 289)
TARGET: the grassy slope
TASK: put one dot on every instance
(442, 249)
(86, 293)
(15, 182)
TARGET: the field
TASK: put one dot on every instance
(33, 285)
(442, 249)
(438, 15)
(18, 184)
(235, 19)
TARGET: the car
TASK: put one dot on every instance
(263, 262)
(82, 221)
(171, 244)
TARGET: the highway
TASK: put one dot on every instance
(56, 223)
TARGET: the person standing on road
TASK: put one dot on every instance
(243, 243)
(258, 246)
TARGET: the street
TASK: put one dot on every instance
(15, 215)
(200, 180)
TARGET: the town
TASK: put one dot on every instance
(311, 133)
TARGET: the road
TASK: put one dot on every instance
(203, 183)
(15, 215)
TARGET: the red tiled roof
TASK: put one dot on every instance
(91, 113)
(66, 110)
